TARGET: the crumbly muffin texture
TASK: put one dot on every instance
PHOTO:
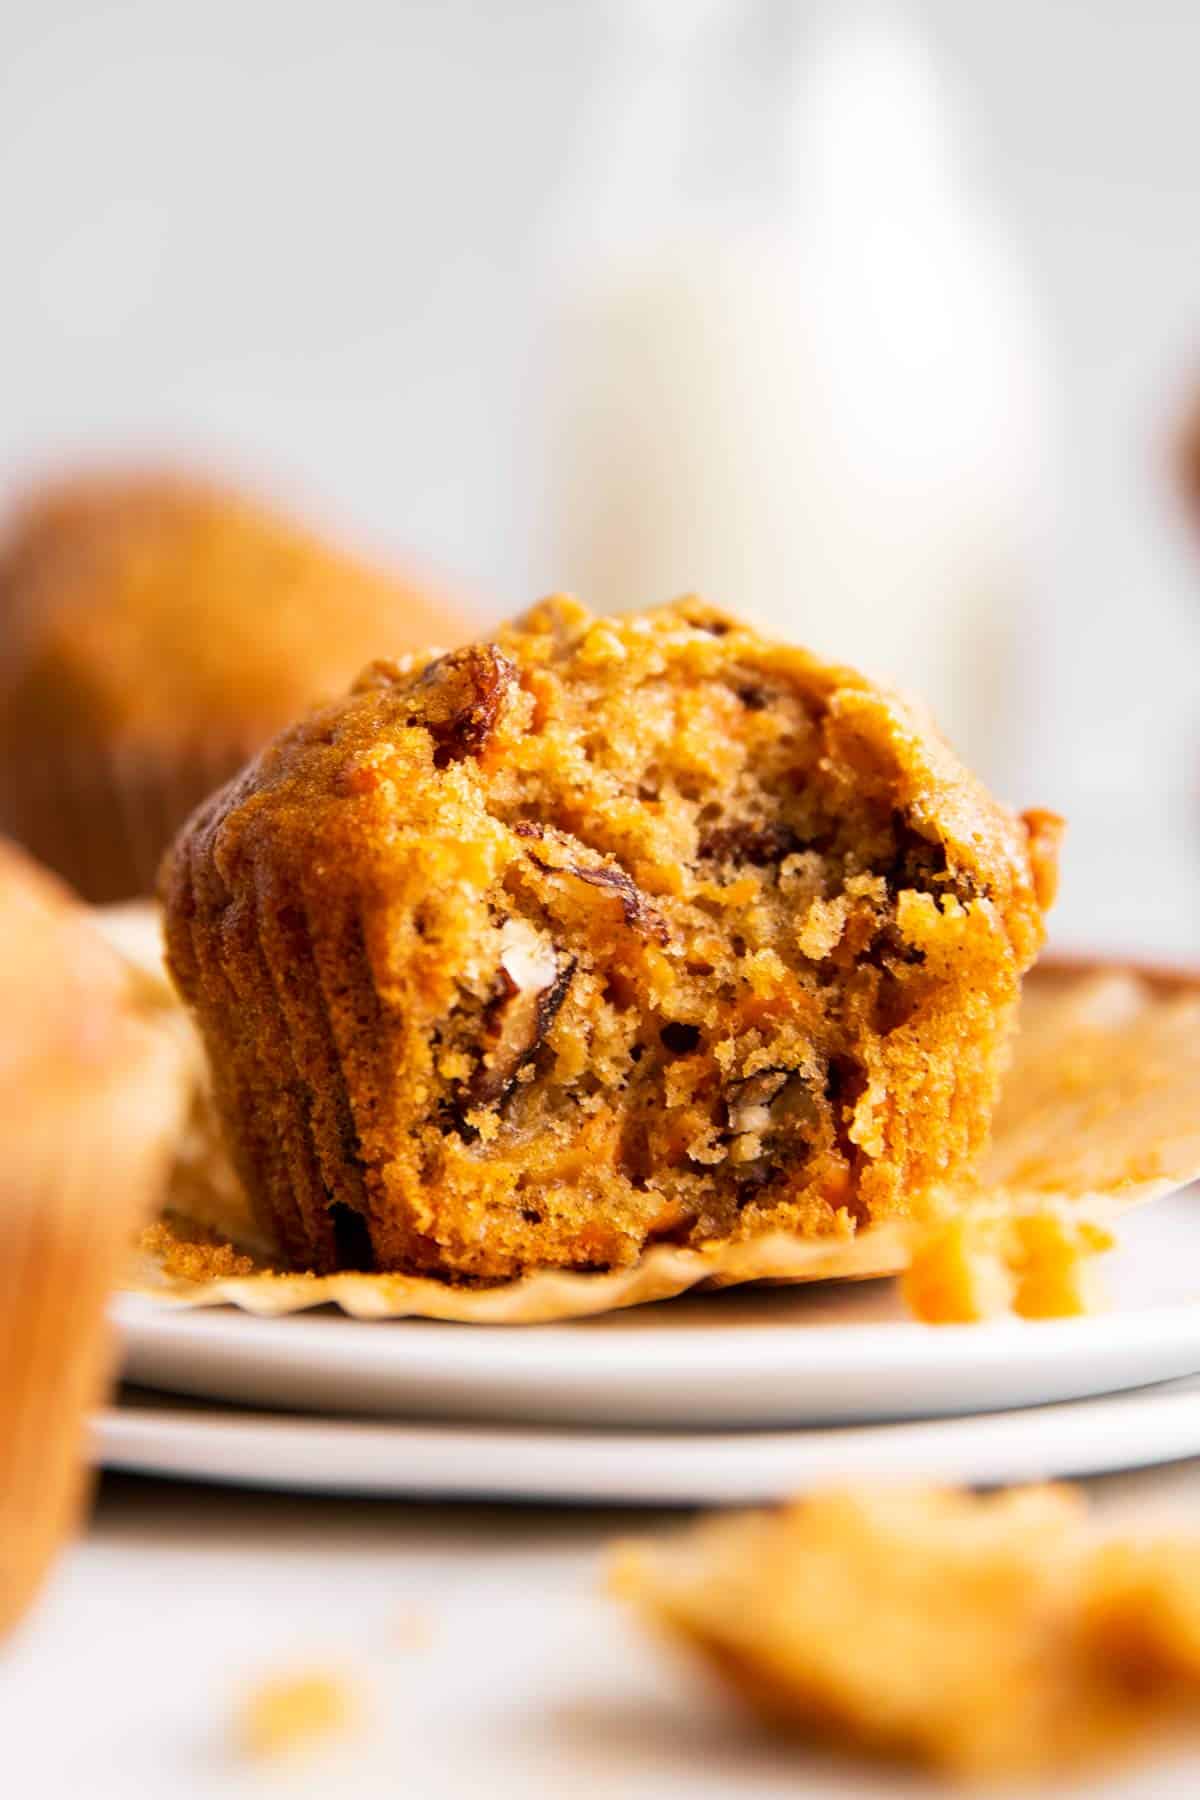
(986, 1635)
(605, 933)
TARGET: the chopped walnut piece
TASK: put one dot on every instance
(612, 879)
(532, 985)
(749, 1102)
(755, 844)
(771, 1102)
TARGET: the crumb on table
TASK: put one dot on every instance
(289, 1711)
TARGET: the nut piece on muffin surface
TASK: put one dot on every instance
(156, 631)
(607, 933)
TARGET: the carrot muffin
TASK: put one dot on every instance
(92, 1095)
(154, 633)
(606, 933)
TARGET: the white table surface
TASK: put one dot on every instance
(489, 1659)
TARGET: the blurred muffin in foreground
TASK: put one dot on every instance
(604, 934)
(989, 1636)
(92, 1093)
(154, 632)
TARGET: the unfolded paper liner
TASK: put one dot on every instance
(1100, 1112)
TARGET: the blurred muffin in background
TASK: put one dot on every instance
(1188, 459)
(93, 1089)
(155, 631)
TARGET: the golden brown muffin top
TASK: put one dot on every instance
(554, 719)
(160, 607)
(69, 1007)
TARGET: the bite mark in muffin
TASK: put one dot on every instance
(603, 933)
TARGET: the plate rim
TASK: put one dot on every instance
(712, 1467)
(681, 1378)
(680, 1351)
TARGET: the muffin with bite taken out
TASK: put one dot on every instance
(603, 934)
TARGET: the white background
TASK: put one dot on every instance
(317, 243)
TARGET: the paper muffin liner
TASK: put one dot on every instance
(1100, 1112)
(86, 1160)
(102, 815)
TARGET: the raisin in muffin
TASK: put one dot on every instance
(606, 933)
(154, 633)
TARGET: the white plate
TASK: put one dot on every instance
(522, 1462)
(749, 1357)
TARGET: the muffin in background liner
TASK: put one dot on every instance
(155, 631)
(93, 1091)
(1100, 1112)
(101, 815)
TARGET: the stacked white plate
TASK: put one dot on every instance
(736, 1396)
